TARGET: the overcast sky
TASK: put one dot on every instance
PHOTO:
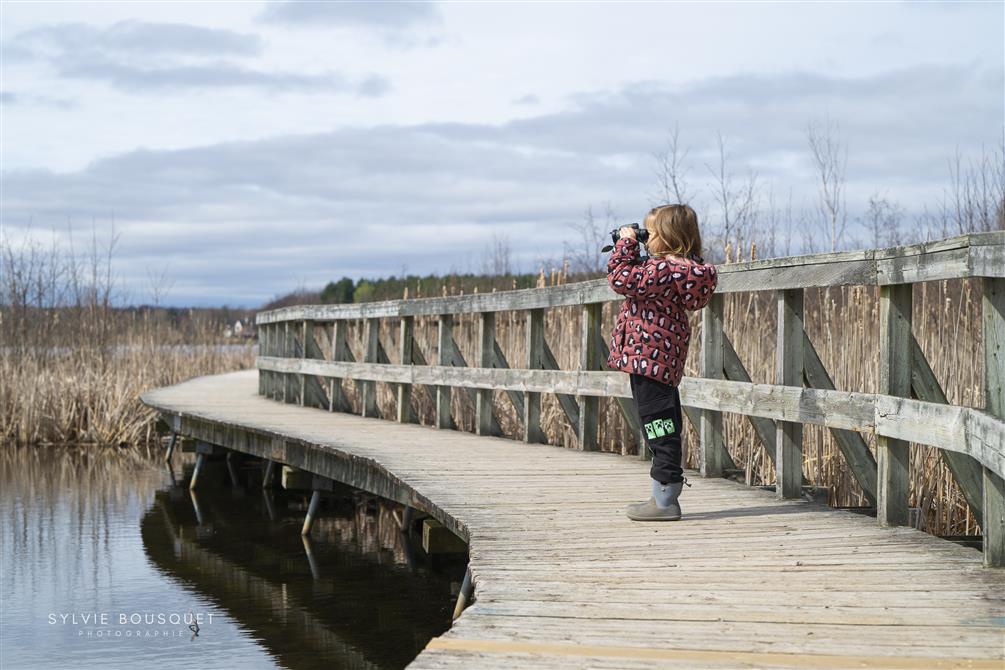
(248, 148)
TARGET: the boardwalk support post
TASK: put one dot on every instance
(170, 449)
(710, 429)
(789, 372)
(993, 318)
(444, 339)
(336, 396)
(369, 388)
(589, 359)
(535, 361)
(202, 451)
(312, 510)
(406, 518)
(267, 477)
(406, 342)
(893, 455)
(486, 357)
(200, 458)
(464, 595)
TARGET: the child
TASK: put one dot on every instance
(650, 339)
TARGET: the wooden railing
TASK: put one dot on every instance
(971, 440)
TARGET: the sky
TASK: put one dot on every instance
(243, 150)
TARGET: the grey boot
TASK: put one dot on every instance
(663, 505)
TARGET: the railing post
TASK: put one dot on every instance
(262, 351)
(535, 361)
(892, 455)
(273, 387)
(789, 372)
(589, 359)
(444, 342)
(486, 354)
(711, 445)
(993, 319)
(405, 344)
(369, 388)
(336, 395)
(304, 325)
(269, 332)
(287, 353)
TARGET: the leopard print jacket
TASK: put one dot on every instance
(652, 331)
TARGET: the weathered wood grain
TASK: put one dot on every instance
(444, 347)
(993, 326)
(406, 342)
(563, 579)
(486, 359)
(892, 454)
(589, 359)
(534, 361)
(961, 429)
(965, 470)
(856, 452)
(974, 255)
(710, 434)
(789, 372)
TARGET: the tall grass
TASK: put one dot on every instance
(73, 365)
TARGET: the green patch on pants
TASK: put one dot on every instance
(659, 428)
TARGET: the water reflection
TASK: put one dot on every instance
(112, 534)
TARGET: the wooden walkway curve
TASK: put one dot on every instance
(563, 579)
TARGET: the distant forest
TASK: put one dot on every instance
(345, 290)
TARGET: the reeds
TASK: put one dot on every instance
(72, 365)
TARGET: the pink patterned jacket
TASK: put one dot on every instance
(652, 332)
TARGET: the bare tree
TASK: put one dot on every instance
(737, 203)
(830, 158)
(591, 233)
(159, 284)
(497, 257)
(671, 171)
(775, 235)
(882, 222)
(977, 190)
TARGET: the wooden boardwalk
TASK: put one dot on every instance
(563, 579)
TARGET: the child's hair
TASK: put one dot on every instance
(673, 229)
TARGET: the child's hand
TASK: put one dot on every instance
(627, 231)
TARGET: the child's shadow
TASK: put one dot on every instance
(765, 510)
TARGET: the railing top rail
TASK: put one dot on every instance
(973, 255)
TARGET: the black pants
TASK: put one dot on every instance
(659, 410)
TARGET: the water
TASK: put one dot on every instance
(107, 559)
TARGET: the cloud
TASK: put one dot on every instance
(138, 56)
(141, 38)
(393, 15)
(396, 23)
(11, 98)
(216, 75)
(252, 219)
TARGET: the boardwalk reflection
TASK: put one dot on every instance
(356, 594)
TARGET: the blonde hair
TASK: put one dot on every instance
(673, 229)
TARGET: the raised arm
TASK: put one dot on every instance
(625, 275)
